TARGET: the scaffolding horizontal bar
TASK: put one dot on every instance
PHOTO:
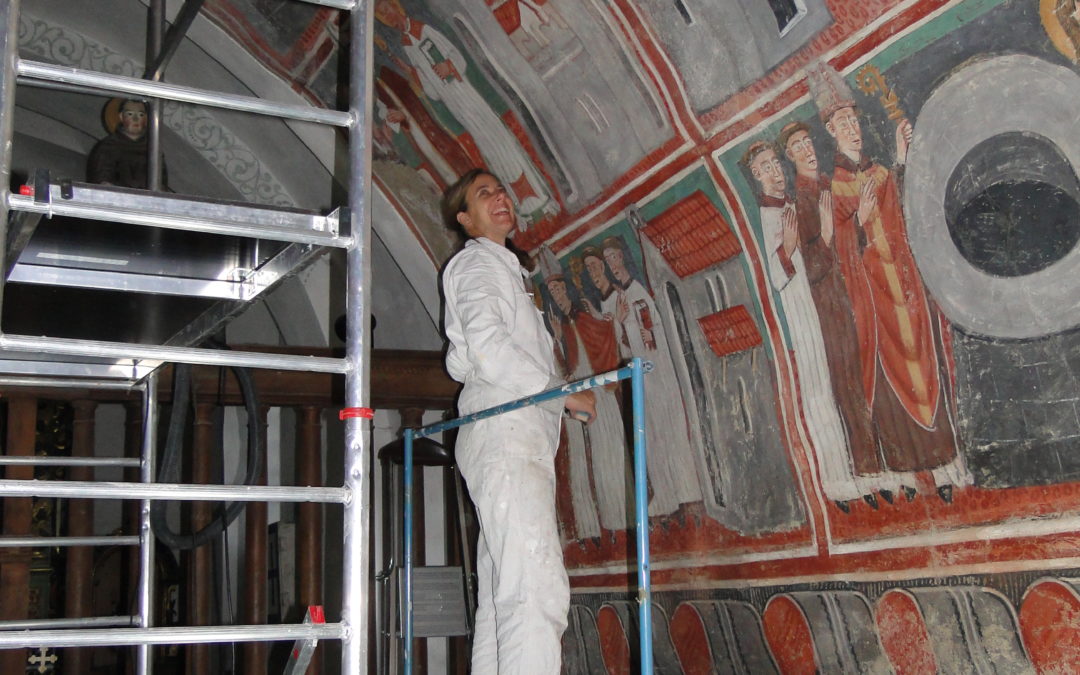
(67, 382)
(50, 542)
(132, 215)
(206, 357)
(72, 622)
(172, 635)
(171, 491)
(36, 460)
(45, 275)
(129, 85)
(556, 392)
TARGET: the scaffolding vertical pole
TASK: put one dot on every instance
(155, 32)
(145, 663)
(9, 52)
(356, 559)
(641, 505)
(407, 570)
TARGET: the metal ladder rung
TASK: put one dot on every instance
(191, 215)
(70, 622)
(206, 357)
(50, 542)
(172, 635)
(171, 491)
(38, 460)
(36, 70)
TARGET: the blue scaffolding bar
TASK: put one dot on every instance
(635, 372)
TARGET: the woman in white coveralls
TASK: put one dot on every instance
(501, 351)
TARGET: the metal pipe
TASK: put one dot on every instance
(9, 52)
(172, 491)
(82, 622)
(641, 504)
(144, 658)
(407, 603)
(558, 392)
(206, 357)
(50, 542)
(172, 635)
(38, 460)
(155, 29)
(60, 86)
(139, 87)
(66, 383)
(174, 221)
(357, 513)
(160, 59)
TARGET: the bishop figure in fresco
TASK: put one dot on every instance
(901, 337)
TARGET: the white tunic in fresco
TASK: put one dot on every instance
(586, 517)
(501, 351)
(804, 328)
(500, 149)
(672, 468)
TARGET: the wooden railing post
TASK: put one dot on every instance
(255, 567)
(78, 596)
(309, 518)
(15, 562)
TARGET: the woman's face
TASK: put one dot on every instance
(489, 211)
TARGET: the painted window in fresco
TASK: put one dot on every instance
(786, 12)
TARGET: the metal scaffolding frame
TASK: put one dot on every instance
(96, 364)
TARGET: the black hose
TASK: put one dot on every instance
(169, 468)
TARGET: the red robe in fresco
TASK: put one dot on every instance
(837, 323)
(898, 346)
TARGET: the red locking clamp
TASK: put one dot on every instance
(366, 413)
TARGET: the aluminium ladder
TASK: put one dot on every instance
(100, 364)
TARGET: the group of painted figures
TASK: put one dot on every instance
(871, 349)
(602, 314)
(870, 346)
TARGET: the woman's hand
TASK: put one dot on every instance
(582, 406)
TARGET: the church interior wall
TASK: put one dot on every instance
(800, 532)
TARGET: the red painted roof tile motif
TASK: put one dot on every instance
(692, 235)
(730, 330)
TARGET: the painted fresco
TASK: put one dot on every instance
(930, 428)
(711, 418)
(720, 47)
(846, 234)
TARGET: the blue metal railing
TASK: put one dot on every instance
(635, 372)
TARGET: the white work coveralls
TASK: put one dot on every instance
(501, 351)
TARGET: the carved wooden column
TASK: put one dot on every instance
(255, 572)
(15, 565)
(78, 598)
(309, 518)
(133, 442)
(200, 560)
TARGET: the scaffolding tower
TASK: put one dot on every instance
(288, 240)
